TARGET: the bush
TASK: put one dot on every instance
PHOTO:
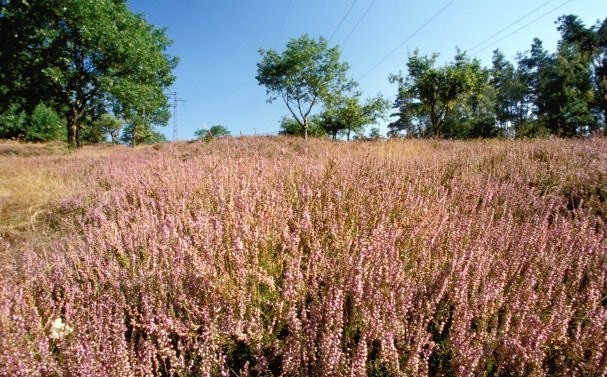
(13, 123)
(533, 129)
(45, 125)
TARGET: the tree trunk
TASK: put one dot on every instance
(73, 128)
(78, 141)
(605, 109)
(305, 128)
(434, 121)
(348, 137)
(72, 133)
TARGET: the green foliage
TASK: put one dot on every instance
(474, 116)
(90, 133)
(289, 126)
(141, 134)
(83, 57)
(589, 43)
(375, 133)
(512, 106)
(45, 125)
(215, 131)
(108, 124)
(562, 93)
(429, 94)
(346, 114)
(532, 129)
(13, 123)
(410, 122)
(155, 137)
(560, 90)
(305, 74)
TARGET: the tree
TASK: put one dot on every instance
(13, 123)
(109, 125)
(45, 125)
(433, 92)
(348, 115)
(215, 131)
(136, 134)
(533, 68)
(305, 74)
(375, 133)
(90, 133)
(510, 90)
(289, 126)
(84, 58)
(411, 122)
(592, 44)
(473, 116)
(569, 94)
(560, 88)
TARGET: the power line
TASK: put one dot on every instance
(509, 26)
(522, 27)
(358, 22)
(407, 39)
(343, 19)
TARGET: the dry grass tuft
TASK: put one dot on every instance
(19, 149)
(27, 191)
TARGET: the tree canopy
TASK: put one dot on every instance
(348, 114)
(290, 127)
(215, 131)
(429, 94)
(84, 59)
(305, 74)
(563, 93)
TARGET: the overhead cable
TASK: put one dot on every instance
(358, 22)
(522, 27)
(407, 39)
(343, 19)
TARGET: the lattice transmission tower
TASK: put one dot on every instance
(175, 100)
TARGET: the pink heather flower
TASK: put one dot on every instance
(238, 244)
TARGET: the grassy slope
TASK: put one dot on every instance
(269, 256)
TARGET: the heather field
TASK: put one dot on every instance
(277, 256)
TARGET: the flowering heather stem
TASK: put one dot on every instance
(258, 257)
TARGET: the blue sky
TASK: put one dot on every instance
(218, 42)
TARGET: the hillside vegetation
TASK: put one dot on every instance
(275, 256)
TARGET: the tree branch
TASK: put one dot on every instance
(285, 98)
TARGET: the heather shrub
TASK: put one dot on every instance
(272, 256)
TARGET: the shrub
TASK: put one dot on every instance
(45, 125)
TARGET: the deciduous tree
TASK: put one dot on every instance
(307, 73)
(432, 92)
(215, 131)
(84, 58)
(109, 125)
(348, 114)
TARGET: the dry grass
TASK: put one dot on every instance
(27, 191)
(19, 149)
(33, 179)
